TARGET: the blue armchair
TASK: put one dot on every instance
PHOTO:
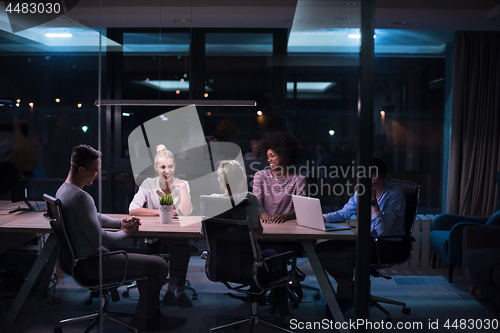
(446, 236)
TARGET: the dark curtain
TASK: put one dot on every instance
(475, 133)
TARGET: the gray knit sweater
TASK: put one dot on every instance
(83, 223)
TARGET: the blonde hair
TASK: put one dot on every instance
(163, 152)
(232, 172)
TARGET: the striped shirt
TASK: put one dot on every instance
(276, 194)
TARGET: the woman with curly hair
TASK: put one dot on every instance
(274, 186)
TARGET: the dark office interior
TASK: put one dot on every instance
(436, 122)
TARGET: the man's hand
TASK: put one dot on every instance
(374, 188)
(130, 225)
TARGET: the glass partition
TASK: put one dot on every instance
(302, 72)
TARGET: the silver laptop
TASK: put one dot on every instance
(309, 215)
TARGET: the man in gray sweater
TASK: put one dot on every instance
(84, 226)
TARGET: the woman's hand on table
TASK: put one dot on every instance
(265, 218)
(279, 218)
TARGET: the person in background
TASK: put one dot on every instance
(178, 249)
(388, 209)
(324, 160)
(274, 186)
(255, 153)
(84, 226)
(24, 157)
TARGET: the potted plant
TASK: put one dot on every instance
(166, 208)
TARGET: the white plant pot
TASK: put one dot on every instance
(166, 213)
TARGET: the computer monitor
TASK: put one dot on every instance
(20, 192)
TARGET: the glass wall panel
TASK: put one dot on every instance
(52, 86)
(409, 103)
(239, 66)
(322, 97)
(155, 65)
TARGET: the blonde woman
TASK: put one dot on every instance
(164, 182)
(232, 172)
(178, 249)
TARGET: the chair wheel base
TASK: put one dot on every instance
(406, 310)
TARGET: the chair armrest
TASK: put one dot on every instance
(480, 237)
(275, 271)
(394, 257)
(447, 221)
(109, 254)
(457, 231)
(398, 237)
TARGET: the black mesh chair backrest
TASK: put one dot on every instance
(231, 246)
(54, 215)
(412, 192)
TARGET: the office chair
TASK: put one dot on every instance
(386, 260)
(69, 265)
(234, 257)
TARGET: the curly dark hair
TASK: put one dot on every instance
(284, 144)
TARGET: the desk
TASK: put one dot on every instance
(188, 227)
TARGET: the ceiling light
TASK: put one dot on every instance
(184, 102)
(183, 20)
(60, 35)
(310, 87)
(357, 36)
(402, 23)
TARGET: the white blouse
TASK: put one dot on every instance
(147, 194)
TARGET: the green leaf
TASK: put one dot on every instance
(166, 200)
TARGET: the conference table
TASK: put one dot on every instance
(188, 227)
